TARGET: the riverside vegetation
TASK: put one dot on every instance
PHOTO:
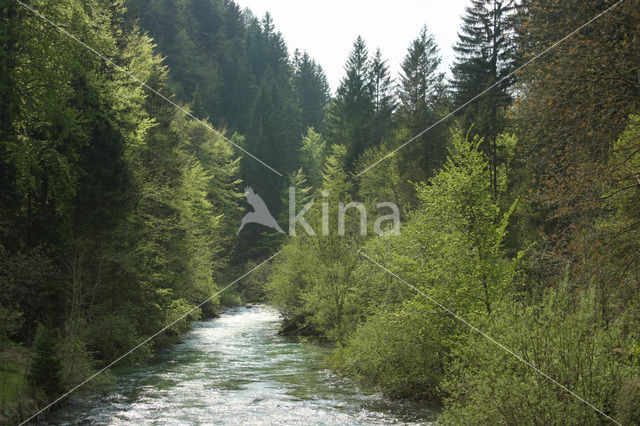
(520, 213)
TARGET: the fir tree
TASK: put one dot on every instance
(46, 370)
(423, 100)
(312, 90)
(384, 102)
(351, 114)
(485, 55)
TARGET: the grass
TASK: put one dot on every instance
(15, 398)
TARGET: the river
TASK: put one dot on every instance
(236, 369)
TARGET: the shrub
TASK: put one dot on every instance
(568, 340)
(628, 403)
(403, 351)
(112, 336)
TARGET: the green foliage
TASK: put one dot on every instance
(485, 56)
(15, 397)
(423, 101)
(180, 314)
(112, 335)
(628, 402)
(76, 359)
(235, 69)
(450, 248)
(384, 184)
(568, 340)
(118, 214)
(350, 115)
(9, 323)
(251, 287)
(46, 369)
(451, 245)
(312, 156)
(463, 229)
(312, 90)
(272, 138)
(218, 171)
(311, 279)
(383, 97)
(620, 193)
(401, 351)
(291, 277)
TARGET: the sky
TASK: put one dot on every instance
(327, 29)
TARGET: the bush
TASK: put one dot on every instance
(403, 352)
(251, 287)
(628, 404)
(568, 340)
(112, 336)
(77, 361)
(230, 298)
(183, 313)
(10, 322)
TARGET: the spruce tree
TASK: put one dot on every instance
(312, 90)
(46, 370)
(485, 56)
(384, 102)
(350, 116)
(423, 100)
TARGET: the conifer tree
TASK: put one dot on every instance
(384, 102)
(423, 100)
(351, 114)
(312, 90)
(485, 55)
(273, 137)
(46, 369)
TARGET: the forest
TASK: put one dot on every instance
(131, 128)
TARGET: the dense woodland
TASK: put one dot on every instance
(520, 211)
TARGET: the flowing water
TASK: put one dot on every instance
(236, 370)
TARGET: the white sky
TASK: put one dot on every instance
(327, 29)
